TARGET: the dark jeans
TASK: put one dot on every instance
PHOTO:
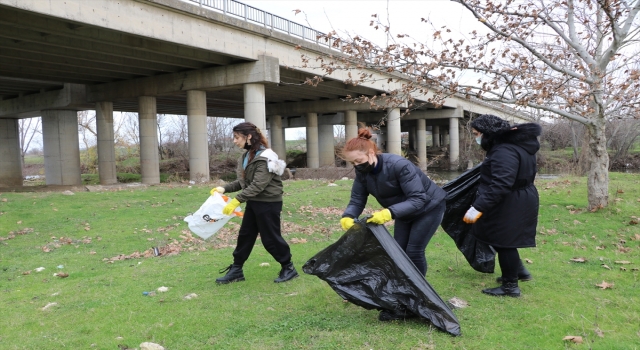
(413, 236)
(262, 218)
(509, 260)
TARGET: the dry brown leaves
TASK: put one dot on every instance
(13, 234)
(59, 242)
(578, 260)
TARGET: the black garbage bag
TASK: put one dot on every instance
(368, 268)
(461, 192)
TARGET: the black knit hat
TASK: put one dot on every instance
(490, 124)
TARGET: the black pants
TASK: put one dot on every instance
(509, 260)
(261, 218)
(413, 236)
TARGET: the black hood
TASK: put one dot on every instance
(523, 135)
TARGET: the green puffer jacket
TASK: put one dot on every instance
(259, 183)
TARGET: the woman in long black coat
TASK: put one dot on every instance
(505, 211)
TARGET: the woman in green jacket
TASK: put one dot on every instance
(260, 186)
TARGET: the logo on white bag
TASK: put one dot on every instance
(208, 218)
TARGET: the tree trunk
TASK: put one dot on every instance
(598, 177)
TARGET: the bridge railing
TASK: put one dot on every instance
(266, 19)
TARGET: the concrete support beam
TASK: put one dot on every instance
(381, 139)
(320, 106)
(436, 136)
(276, 132)
(313, 156)
(421, 143)
(69, 97)
(412, 138)
(350, 128)
(106, 147)
(350, 124)
(197, 130)
(266, 70)
(454, 143)
(326, 145)
(394, 141)
(254, 111)
(148, 127)
(10, 153)
(60, 146)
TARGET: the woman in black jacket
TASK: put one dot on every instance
(402, 189)
(504, 213)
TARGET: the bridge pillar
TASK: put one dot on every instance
(412, 138)
(276, 132)
(326, 145)
(350, 128)
(454, 143)
(435, 136)
(197, 132)
(254, 109)
(60, 146)
(421, 141)
(394, 133)
(10, 153)
(106, 148)
(148, 128)
(313, 156)
(381, 139)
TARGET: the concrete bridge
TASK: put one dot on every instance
(200, 58)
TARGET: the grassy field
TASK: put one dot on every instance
(103, 241)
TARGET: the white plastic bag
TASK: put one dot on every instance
(207, 220)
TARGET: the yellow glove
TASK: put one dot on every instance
(229, 208)
(471, 216)
(380, 217)
(346, 223)
(217, 189)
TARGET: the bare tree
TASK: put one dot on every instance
(567, 57)
(27, 129)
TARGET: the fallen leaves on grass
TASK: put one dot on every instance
(61, 274)
(622, 262)
(605, 285)
(59, 242)
(578, 260)
(605, 266)
(599, 332)
(298, 240)
(528, 261)
(573, 338)
(13, 234)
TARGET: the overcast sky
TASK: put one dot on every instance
(353, 16)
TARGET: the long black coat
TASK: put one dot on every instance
(398, 185)
(506, 196)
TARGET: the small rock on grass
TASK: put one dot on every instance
(151, 346)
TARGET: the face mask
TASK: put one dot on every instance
(364, 167)
(479, 139)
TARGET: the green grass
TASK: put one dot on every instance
(101, 305)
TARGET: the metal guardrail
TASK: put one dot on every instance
(266, 19)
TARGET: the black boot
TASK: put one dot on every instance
(288, 272)
(509, 289)
(523, 274)
(234, 274)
